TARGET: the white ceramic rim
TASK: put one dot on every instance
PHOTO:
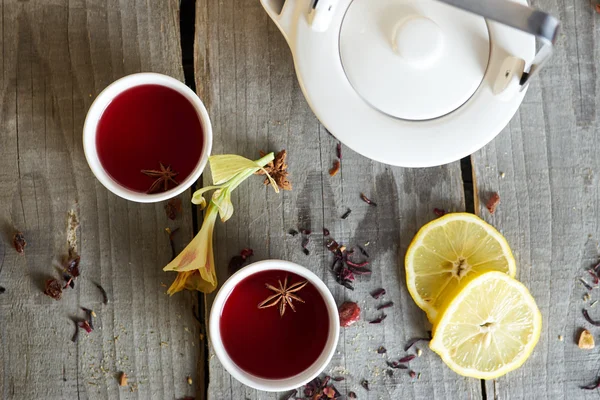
(273, 385)
(100, 104)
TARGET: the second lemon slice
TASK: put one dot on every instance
(449, 249)
(489, 328)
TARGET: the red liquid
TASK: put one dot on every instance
(263, 343)
(146, 125)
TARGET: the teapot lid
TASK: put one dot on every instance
(413, 59)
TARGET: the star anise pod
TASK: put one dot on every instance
(163, 177)
(278, 170)
(283, 296)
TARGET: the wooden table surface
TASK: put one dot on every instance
(58, 55)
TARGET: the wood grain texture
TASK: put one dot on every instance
(245, 75)
(56, 57)
(545, 167)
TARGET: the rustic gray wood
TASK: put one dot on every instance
(56, 57)
(545, 167)
(245, 75)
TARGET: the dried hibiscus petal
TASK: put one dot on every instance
(173, 208)
(338, 150)
(53, 289)
(325, 232)
(363, 251)
(385, 305)
(378, 293)
(493, 202)
(407, 358)
(85, 325)
(335, 169)
(589, 319)
(349, 313)
(440, 212)
(237, 262)
(332, 245)
(352, 395)
(73, 265)
(19, 242)
(338, 378)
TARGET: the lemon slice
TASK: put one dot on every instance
(489, 328)
(449, 249)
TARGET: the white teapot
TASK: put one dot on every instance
(414, 83)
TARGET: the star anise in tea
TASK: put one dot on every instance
(278, 170)
(283, 296)
(163, 177)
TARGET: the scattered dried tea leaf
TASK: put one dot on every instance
(19, 242)
(385, 305)
(325, 232)
(103, 292)
(2, 290)
(412, 374)
(381, 350)
(290, 395)
(122, 379)
(493, 202)
(586, 340)
(378, 293)
(363, 251)
(589, 319)
(378, 320)
(173, 208)
(367, 200)
(349, 313)
(365, 384)
(396, 365)
(278, 170)
(335, 169)
(338, 150)
(346, 214)
(53, 289)
(292, 232)
(592, 386)
(413, 341)
(352, 395)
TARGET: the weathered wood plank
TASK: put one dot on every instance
(245, 74)
(549, 205)
(56, 57)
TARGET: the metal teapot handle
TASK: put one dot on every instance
(543, 26)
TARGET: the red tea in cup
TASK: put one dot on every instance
(265, 343)
(145, 126)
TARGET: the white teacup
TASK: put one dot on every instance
(95, 113)
(273, 385)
